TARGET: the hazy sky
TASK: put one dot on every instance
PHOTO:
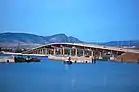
(88, 20)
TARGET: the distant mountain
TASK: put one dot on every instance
(12, 39)
(31, 40)
(122, 43)
(21, 38)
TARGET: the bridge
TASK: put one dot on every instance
(84, 52)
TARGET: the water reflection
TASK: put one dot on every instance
(73, 83)
(66, 67)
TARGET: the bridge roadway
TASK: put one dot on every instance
(90, 46)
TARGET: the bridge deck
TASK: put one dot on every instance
(91, 46)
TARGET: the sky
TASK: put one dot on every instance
(88, 20)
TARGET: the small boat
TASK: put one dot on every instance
(68, 62)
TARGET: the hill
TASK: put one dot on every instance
(26, 40)
(122, 43)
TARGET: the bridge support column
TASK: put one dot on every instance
(117, 53)
(35, 51)
(54, 51)
(70, 51)
(111, 52)
(63, 50)
(83, 50)
(41, 51)
(100, 55)
(38, 51)
(92, 53)
(46, 51)
(49, 51)
(76, 51)
(60, 51)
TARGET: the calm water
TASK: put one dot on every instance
(54, 76)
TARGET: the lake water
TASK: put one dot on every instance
(54, 76)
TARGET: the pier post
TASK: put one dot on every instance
(46, 51)
(63, 50)
(49, 51)
(37, 51)
(83, 52)
(117, 53)
(76, 51)
(33, 51)
(100, 55)
(111, 52)
(41, 51)
(70, 51)
(60, 51)
(92, 53)
(54, 52)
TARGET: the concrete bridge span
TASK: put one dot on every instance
(80, 49)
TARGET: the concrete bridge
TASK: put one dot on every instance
(80, 51)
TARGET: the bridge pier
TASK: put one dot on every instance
(63, 51)
(54, 51)
(46, 51)
(83, 52)
(42, 51)
(34, 51)
(37, 51)
(76, 52)
(92, 54)
(70, 51)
